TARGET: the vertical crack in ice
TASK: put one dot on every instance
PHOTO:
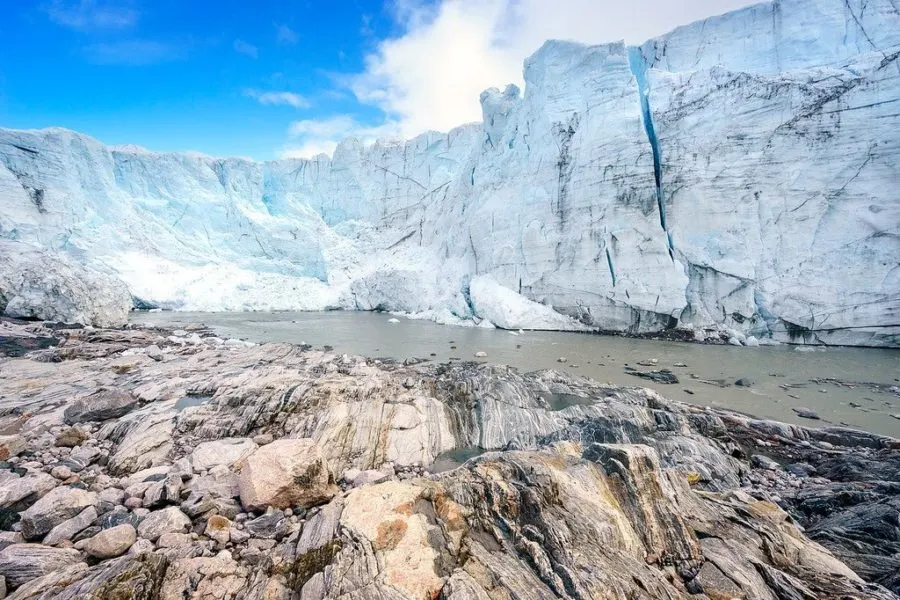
(639, 70)
(612, 269)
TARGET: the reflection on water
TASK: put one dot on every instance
(448, 461)
(563, 401)
(189, 401)
(781, 378)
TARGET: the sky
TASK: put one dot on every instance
(271, 79)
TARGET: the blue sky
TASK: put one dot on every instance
(266, 79)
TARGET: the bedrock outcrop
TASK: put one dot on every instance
(571, 489)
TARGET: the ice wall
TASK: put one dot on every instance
(739, 172)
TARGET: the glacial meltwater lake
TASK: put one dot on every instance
(853, 388)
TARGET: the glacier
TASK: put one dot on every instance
(738, 174)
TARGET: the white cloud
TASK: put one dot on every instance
(285, 35)
(431, 76)
(310, 137)
(91, 15)
(242, 47)
(278, 98)
(309, 149)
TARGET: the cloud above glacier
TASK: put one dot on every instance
(311, 137)
(276, 98)
(430, 75)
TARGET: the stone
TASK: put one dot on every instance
(372, 476)
(109, 543)
(68, 529)
(268, 526)
(481, 354)
(124, 578)
(743, 382)
(10, 445)
(238, 536)
(350, 474)
(262, 439)
(57, 506)
(32, 486)
(113, 496)
(167, 520)
(764, 462)
(154, 353)
(141, 546)
(174, 540)
(84, 456)
(61, 472)
(285, 473)
(134, 502)
(662, 376)
(20, 563)
(224, 452)
(806, 413)
(161, 492)
(218, 528)
(101, 405)
(119, 516)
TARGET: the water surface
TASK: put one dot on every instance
(782, 377)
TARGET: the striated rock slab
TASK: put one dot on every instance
(20, 563)
(99, 406)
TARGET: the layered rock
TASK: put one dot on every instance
(736, 173)
(575, 489)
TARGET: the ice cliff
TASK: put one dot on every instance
(740, 172)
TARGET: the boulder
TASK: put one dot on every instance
(37, 284)
(71, 437)
(284, 474)
(15, 490)
(109, 543)
(20, 563)
(101, 405)
(67, 529)
(218, 529)
(168, 520)
(10, 445)
(225, 452)
(57, 506)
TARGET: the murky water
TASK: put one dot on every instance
(782, 378)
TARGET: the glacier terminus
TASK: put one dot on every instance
(739, 174)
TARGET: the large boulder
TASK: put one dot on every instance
(20, 563)
(60, 504)
(37, 284)
(285, 474)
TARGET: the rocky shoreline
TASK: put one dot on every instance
(154, 464)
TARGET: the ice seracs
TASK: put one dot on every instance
(735, 173)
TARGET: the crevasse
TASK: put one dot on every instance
(639, 69)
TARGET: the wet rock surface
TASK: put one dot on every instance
(305, 474)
